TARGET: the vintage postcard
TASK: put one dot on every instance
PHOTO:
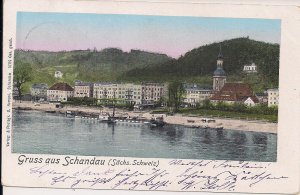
(151, 96)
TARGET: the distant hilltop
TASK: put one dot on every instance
(196, 66)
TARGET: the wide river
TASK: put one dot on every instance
(43, 133)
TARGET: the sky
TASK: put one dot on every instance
(171, 35)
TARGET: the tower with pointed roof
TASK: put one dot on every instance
(219, 77)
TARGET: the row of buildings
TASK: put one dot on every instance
(145, 93)
(149, 93)
(230, 93)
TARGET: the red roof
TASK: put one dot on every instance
(61, 87)
(234, 92)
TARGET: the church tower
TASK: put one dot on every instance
(219, 78)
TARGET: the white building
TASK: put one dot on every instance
(153, 92)
(126, 92)
(83, 89)
(39, 91)
(250, 68)
(262, 97)
(146, 93)
(60, 92)
(273, 97)
(105, 90)
(58, 74)
(130, 92)
(196, 94)
(250, 101)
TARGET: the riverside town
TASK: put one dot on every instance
(148, 102)
(209, 96)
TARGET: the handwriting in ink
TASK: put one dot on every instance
(190, 175)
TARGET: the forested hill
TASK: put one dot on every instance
(198, 64)
(89, 65)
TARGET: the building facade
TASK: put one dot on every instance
(126, 92)
(152, 92)
(196, 94)
(39, 91)
(60, 92)
(250, 68)
(145, 93)
(83, 89)
(273, 97)
(262, 97)
(105, 90)
(219, 77)
(130, 92)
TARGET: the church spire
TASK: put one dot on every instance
(220, 59)
(220, 56)
(219, 77)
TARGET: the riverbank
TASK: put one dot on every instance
(178, 119)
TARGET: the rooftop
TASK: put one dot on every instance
(234, 92)
(220, 56)
(61, 87)
(105, 83)
(81, 83)
(197, 87)
(252, 64)
(275, 90)
(39, 86)
(219, 72)
(261, 94)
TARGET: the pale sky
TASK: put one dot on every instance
(170, 35)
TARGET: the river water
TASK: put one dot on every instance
(43, 133)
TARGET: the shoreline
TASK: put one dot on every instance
(177, 119)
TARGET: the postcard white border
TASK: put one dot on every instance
(288, 127)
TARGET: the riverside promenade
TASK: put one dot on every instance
(177, 119)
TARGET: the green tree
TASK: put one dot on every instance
(239, 107)
(175, 93)
(162, 101)
(22, 74)
(222, 106)
(207, 104)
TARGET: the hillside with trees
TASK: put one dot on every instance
(197, 65)
(87, 65)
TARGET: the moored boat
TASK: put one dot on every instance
(104, 118)
(70, 114)
(157, 123)
(219, 128)
(50, 111)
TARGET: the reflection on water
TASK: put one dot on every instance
(42, 133)
(260, 139)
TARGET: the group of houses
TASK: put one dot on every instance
(230, 92)
(149, 93)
